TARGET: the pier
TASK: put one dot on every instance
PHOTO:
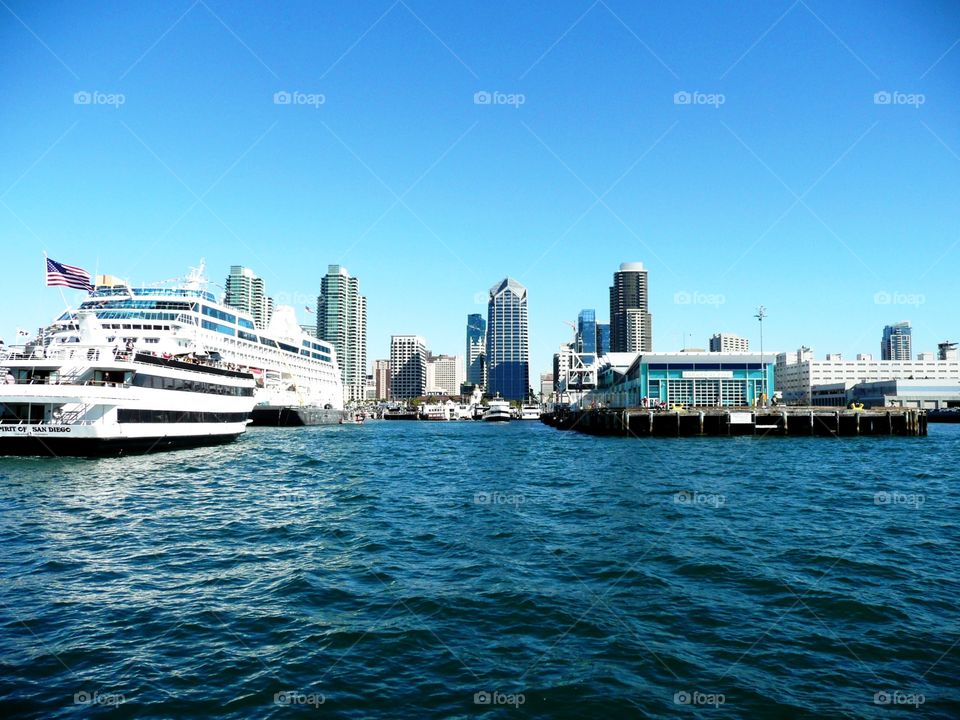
(778, 422)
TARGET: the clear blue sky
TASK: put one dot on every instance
(799, 191)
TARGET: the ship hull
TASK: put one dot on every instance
(294, 416)
(53, 446)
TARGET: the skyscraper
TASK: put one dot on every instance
(381, 379)
(246, 291)
(408, 366)
(633, 332)
(444, 374)
(342, 321)
(603, 338)
(587, 334)
(476, 349)
(508, 359)
(727, 342)
(897, 343)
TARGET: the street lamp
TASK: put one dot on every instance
(761, 314)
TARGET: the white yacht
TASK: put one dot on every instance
(498, 411)
(530, 411)
(292, 378)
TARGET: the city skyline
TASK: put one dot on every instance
(755, 175)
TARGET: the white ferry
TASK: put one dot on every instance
(530, 411)
(113, 374)
(498, 411)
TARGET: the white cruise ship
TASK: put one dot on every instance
(111, 374)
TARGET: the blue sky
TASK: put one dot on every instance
(784, 181)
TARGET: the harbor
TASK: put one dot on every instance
(781, 422)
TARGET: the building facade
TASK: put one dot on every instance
(562, 362)
(897, 342)
(476, 370)
(381, 379)
(698, 379)
(546, 386)
(508, 354)
(587, 333)
(245, 291)
(603, 338)
(342, 321)
(445, 375)
(727, 342)
(630, 332)
(798, 373)
(408, 366)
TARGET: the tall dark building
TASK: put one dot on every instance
(476, 350)
(508, 355)
(587, 334)
(603, 338)
(631, 326)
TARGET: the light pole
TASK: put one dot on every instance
(761, 314)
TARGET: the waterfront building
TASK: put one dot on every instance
(370, 389)
(445, 374)
(728, 342)
(897, 342)
(702, 379)
(342, 321)
(798, 373)
(476, 350)
(630, 331)
(243, 290)
(915, 394)
(603, 338)
(947, 351)
(508, 360)
(408, 366)
(562, 361)
(546, 386)
(381, 379)
(587, 334)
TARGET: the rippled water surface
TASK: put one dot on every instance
(467, 569)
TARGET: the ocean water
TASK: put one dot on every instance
(418, 570)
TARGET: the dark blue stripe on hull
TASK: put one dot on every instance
(105, 447)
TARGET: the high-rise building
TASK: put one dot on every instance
(587, 334)
(246, 291)
(603, 338)
(445, 374)
(342, 321)
(897, 343)
(476, 350)
(508, 359)
(630, 291)
(562, 362)
(381, 379)
(408, 366)
(546, 386)
(727, 342)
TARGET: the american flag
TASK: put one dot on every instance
(67, 276)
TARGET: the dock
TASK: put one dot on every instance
(770, 422)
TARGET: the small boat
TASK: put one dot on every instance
(530, 412)
(498, 411)
(351, 419)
